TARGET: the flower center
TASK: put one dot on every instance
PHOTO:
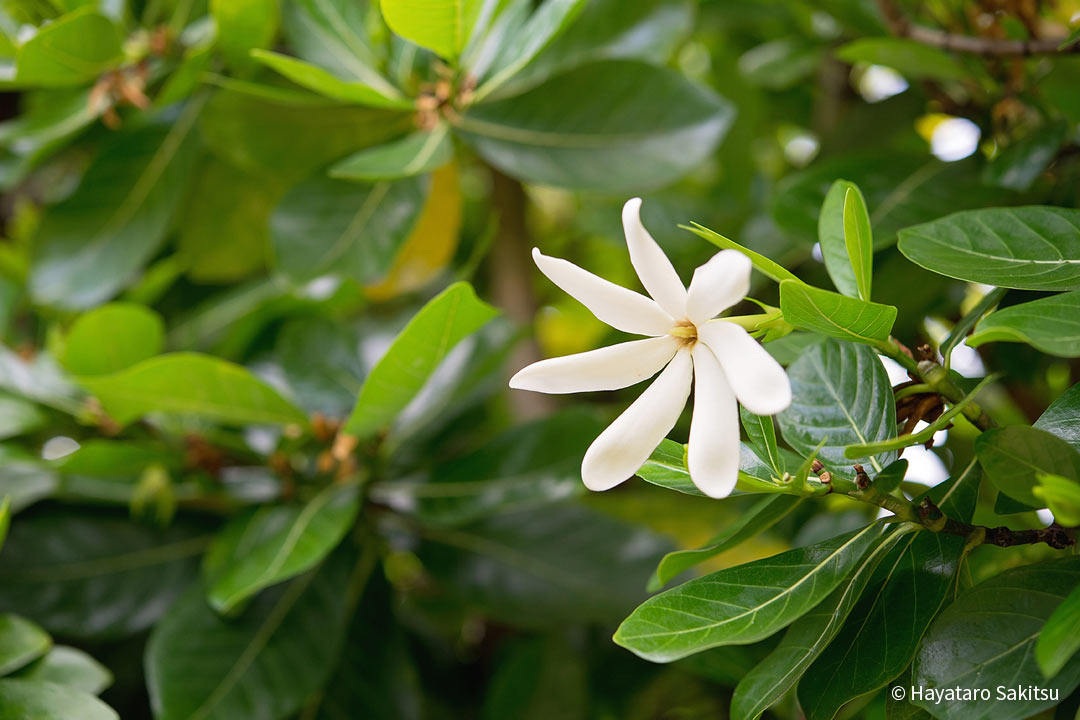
(685, 331)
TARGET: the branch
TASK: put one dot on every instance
(900, 25)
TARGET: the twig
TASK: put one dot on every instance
(900, 25)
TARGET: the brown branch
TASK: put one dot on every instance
(901, 26)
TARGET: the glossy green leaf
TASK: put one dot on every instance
(190, 383)
(322, 81)
(22, 699)
(831, 238)
(859, 240)
(543, 26)
(89, 574)
(612, 125)
(1028, 248)
(762, 434)
(762, 264)
(440, 325)
(92, 244)
(243, 25)
(40, 130)
(21, 642)
(987, 637)
(1050, 324)
(527, 466)
(1058, 641)
(70, 51)
(1061, 495)
(70, 667)
(1012, 456)
(1062, 418)
(266, 662)
(308, 535)
(835, 315)
(563, 564)
(351, 229)
(415, 154)
(765, 513)
(666, 467)
(908, 57)
(1020, 164)
(18, 416)
(805, 639)
(841, 395)
(443, 26)
(908, 589)
(744, 603)
(111, 338)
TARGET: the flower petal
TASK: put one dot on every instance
(758, 380)
(608, 368)
(652, 265)
(713, 454)
(717, 285)
(627, 443)
(620, 308)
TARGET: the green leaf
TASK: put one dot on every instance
(1062, 418)
(764, 265)
(1050, 324)
(882, 634)
(840, 394)
(765, 513)
(5, 518)
(281, 650)
(442, 26)
(69, 51)
(1027, 248)
(960, 331)
(986, 639)
(70, 667)
(111, 338)
(908, 57)
(243, 25)
(17, 417)
(742, 604)
(831, 238)
(1022, 162)
(351, 229)
(534, 569)
(780, 64)
(804, 641)
(21, 642)
(82, 573)
(326, 83)
(21, 699)
(92, 244)
(440, 325)
(195, 384)
(301, 539)
(1058, 641)
(415, 154)
(666, 467)
(762, 436)
(527, 466)
(40, 130)
(1012, 456)
(859, 240)
(518, 50)
(612, 125)
(835, 315)
(1061, 495)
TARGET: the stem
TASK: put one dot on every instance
(939, 380)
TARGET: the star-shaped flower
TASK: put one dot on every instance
(685, 342)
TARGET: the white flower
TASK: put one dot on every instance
(685, 342)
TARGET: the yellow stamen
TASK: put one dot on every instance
(684, 330)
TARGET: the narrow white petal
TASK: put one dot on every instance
(627, 443)
(608, 368)
(717, 285)
(758, 380)
(620, 308)
(652, 265)
(713, 454)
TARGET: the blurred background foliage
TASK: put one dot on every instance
(148, 156)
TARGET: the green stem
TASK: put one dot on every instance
(916, 389)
